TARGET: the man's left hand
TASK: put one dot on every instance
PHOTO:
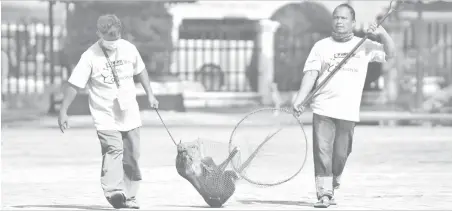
(378, 31)
(153, 101)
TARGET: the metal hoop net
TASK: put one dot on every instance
(272, 147)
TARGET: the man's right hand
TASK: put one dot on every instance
(63, 121)
(298, 107)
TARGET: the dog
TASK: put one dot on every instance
(215, 184)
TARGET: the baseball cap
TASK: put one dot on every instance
(109, 24)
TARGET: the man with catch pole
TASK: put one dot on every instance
(336, 99)
(108, 67)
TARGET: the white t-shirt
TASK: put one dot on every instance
(93, 72)
(340, 98)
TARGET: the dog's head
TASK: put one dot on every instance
(188, 160)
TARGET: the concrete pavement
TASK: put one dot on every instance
(24, 118)
(406, 168)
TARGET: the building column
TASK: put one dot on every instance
(266, 59)
(177, 21)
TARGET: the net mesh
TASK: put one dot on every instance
(206, 165)
(266, 148)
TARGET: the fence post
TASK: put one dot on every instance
(51, 58)
(421, 41)
(266, 59)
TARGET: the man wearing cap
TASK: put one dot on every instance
(107, 69)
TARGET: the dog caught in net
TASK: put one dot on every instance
(205, 165)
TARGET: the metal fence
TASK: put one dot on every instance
(436, 59)
(26, 55)
(220, 54)
(219, 65)
(223, 62)
(426, 62)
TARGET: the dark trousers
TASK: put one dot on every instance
(332, 144)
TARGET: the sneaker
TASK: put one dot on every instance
(132, 203)
(117, 200)
(324, 202)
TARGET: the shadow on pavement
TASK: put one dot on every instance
(191, 206)
(276, 202)
(68, 206)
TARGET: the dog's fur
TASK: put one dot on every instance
(214, 184)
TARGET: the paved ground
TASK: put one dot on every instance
(390, 168)
(195, 117)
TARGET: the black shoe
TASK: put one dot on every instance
(324, 202)
(117, 200)
(132, 203)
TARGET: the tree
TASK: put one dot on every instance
(147, 24)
